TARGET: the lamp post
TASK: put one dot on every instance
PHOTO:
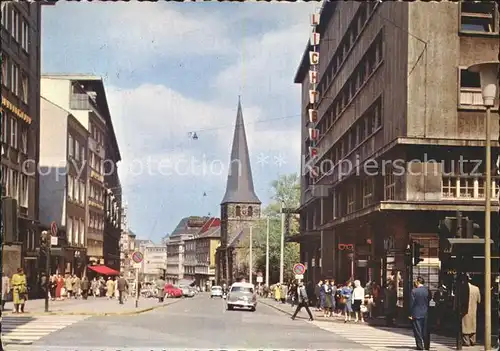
(267, 253)
(488, 72)
(282, 246)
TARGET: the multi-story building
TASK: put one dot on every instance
(20, 50)
(199, 253)
(240, 208)
(186, 229)
(154, 264)
(127, 247)
(85, 98)
(63, 185)
(397, 111)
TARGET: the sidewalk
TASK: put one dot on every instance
(100, 306)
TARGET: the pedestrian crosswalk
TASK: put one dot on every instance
(24, 330)
(382, 339)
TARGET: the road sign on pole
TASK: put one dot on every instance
(299, 269)
(137, 257)
(53, 228)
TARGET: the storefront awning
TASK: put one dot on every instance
(104, 270)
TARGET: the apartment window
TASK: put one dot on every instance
(77, 150)
(389, 184)
(5, 70)
(71, 146)
(13, 132)
(14, 79)
(14, 29)
(368, 191)
(351, 199)
(23, 196)
(14, 184)
(4, 177)
(470, 88)
(5, 135)
(76, 228)
(69, 230)
(71, 184)
(82, 192)
(77, 190)
(250, 211)
(238, 211)
(24, 87)
(5, 16)
(478, 17)
(83, 153)
(467, 187)
(25, 33)
(24, 138)
(449, 187)
(82, 232)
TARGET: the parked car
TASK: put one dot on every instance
(242, 295)
(216, 291)
(187, 291)
(172, 291)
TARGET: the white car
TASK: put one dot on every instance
(242, 295)
(216, 291)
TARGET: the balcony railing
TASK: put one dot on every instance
(464, 188)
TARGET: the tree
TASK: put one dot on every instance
(285, 189)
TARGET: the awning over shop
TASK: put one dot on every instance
(104, 270)
(186, 282)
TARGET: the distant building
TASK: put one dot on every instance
(199, 258)
(127, 248)
(185, 230)
(240, 208)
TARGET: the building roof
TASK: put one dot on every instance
(239, 188)
(189, 225)
(101, 99)
(213, 232)
(326, 13)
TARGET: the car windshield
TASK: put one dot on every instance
(243, 289)
(216, 288)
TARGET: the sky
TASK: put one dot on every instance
(171, 69)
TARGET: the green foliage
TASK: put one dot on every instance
(285, 189)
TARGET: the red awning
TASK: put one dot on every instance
(104, 270)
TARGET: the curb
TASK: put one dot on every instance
(264, 302)
(102, 314)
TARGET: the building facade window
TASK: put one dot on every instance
(5, 70)
(15, 20)
(82, 192)
(389, 184)
(24, 87)
(368, 191)
(5, 16)
(24, 138)
(470, 88)
(77, 190)
(77, 150)
(82, 232)
(250, 211)
(69, 230)
(71, 184)
(71, 146)
(25, 35)
(14, 184)
(5, 135)
(24, 189)
(13, 132)
(478, 17)
(76, 231)
(14, 79)
(238, 211)
(351, 199)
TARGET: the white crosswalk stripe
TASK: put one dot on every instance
(24, 330)
(383, 339)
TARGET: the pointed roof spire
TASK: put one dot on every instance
(239, 188)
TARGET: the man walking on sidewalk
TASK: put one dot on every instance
(419, 307)
(121, 285)
(303, 301)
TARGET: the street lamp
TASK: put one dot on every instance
(488, 72)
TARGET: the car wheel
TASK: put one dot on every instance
(252, 309)
(229, 307)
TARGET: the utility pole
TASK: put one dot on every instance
(282, 249)
(250, 269)
(267, 253)
(45, 246)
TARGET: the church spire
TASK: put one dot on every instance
(239, 188)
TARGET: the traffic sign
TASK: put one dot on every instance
(137, 257)
(299, 269)
(53, 228)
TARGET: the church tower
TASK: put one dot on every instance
(240, 206)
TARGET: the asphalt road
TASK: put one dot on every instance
(197, 323)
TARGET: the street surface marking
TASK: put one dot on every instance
(383, 340)
(24, 330)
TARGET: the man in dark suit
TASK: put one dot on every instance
(419, 309)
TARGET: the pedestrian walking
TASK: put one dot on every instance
(419, 307)
(328, 299)
(121, 286)
(358, 295)
(5, 289)
(110, 288)
(85, 287)
(68, 284)
(59, 287)
(19, 290)
(303, 301)
(160, 286)
(77, 286)
(469, 320)
(53, 287)
(346, 301)
(94, 286)
(317, 295)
